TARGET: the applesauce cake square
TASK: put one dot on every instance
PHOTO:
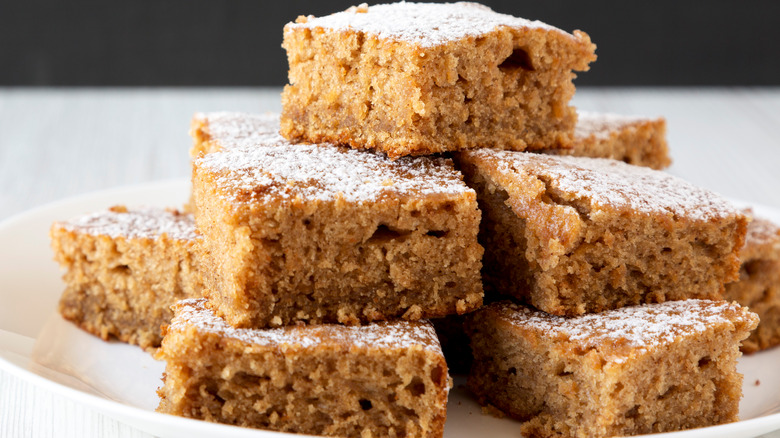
(759, 282)
(636, 140)
(634, 370)
(382, 379)
(319, 233)
(574, 235)
(422, 78)
(216, 131)
(124, 268)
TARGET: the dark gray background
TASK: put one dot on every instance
(237, 42)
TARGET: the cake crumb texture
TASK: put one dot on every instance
(124, 268)
(643, 369)
(318, 233)
(422, 78)
(636, 140)
(759, 282)
(383, 379)
(574, 235)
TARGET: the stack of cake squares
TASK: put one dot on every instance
(427, 165)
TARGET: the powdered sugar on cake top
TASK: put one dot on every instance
(277, 169)
(610, 183)
(393, 334)
(426, 24)
(762, 232)
(143, 222)
(235, 130)
(642, 327)
(602, 125)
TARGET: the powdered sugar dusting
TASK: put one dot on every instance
(603, 125)
(142, 222)
(229, 130)
(609, 183)
(393, 334)
(277, 169)
(427, 24)
(637, 327)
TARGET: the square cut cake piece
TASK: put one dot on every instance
(217, 131)
(382, 379)
(759, 282)
(421, 78)
(634, 370)
(213, 132)
(574, 235)
(636, 140)
(319, 233)
(124, 268)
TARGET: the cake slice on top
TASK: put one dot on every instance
(421, 78)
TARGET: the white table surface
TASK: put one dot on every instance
(56, 143)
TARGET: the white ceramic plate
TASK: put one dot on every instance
(120, 380)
